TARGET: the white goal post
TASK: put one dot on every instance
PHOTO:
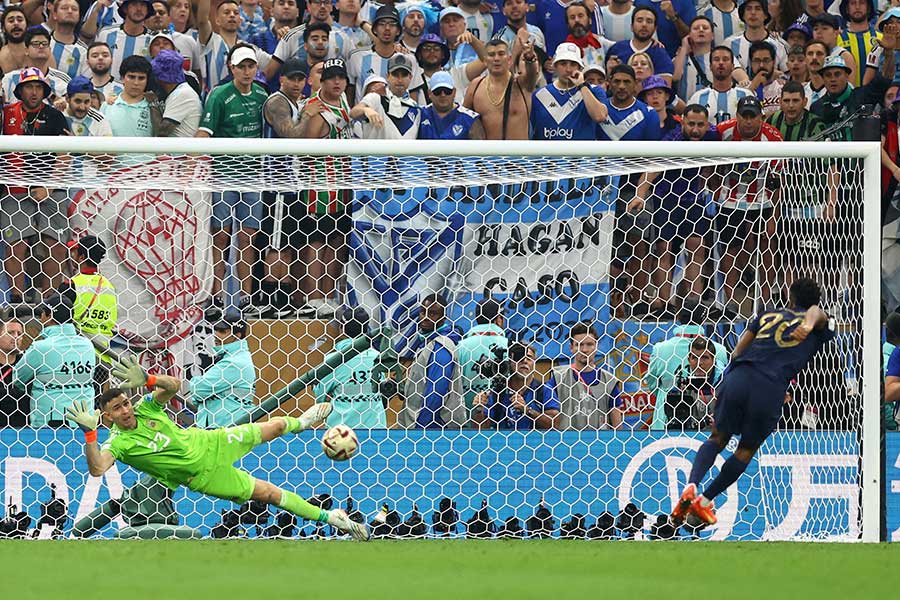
(399, 166)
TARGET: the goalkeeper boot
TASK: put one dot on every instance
(339, 519)
(684, 503)
(704, 510)
(315, 414)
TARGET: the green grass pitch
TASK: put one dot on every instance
(490, 569)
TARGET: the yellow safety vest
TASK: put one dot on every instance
(95, 309)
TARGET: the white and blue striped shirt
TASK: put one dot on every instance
(508, 35)
(813, 95)
(690, 77)
(367, 11)
(691, 80)
(345, 40)
(188, 46)
(58, 81)
(721, 105)
(93, 124)
(481, 25)
(616, 27)
(71, 59)
(123, 45)
(215, 58)
(363, 63)
(740, 46)
(110, 89)
(107, 17)
(291, 45)
(725, 24)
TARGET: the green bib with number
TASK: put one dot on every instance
(95, 309)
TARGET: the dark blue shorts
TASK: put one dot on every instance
(676, 221)
(748, 404)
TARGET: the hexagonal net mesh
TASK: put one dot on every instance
(521, 345)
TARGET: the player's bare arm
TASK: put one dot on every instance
(746, 339)
(814, 319)
(891, 389)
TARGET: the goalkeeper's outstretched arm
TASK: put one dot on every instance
(133, 376)
(88, 418)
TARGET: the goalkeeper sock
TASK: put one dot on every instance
(293, 424)
(294, 504)
(731, 470)
(704, 460)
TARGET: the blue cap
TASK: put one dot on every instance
(441, 79)
(891, 13)
(803, 28)
(412, 8)
(835, 62)
(451, 10)
(80, 85)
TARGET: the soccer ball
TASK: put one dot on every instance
(339, 443)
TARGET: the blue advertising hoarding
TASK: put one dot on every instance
(803, 485)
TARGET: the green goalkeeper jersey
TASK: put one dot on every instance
(158, 447)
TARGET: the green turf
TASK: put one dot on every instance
(550, 569)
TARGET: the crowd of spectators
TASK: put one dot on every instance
(675, 70)
(520, 69)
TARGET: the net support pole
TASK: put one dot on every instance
(332, 361)
(870, 479)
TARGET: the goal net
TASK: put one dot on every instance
(550, 321)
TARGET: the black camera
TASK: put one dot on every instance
(494, 368)
(499, 367)
(688, 405)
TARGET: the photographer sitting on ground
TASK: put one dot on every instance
(689, 406)
(523, 402)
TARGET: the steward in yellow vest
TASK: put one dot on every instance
(93, 296)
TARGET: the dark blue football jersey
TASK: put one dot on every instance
(774, 352)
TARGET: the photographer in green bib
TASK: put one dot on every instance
(58, 367)
(351, 388)
(482, 347)
(93, 297)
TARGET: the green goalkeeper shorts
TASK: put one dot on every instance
(221, 478)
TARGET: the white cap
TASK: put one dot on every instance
(241, 54)
(568, 51)
(373, 79)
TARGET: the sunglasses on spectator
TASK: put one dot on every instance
(442, 92)
(39, 44)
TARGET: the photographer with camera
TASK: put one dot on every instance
(689, 405)
(224, 392)
(518, 401)
(669, 357)
(429, 402)
(476, 353)
(589, 397)
(351, 388)
(59, 367)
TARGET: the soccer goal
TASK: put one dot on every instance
(605, 263)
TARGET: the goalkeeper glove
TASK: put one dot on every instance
(130, 373)
(81, 413)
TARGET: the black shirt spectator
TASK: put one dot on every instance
(14, 403)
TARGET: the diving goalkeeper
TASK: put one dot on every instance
(144, 437)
